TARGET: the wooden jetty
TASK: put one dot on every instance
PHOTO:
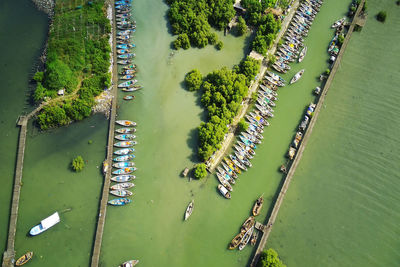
(226, 143)
(101, 219)
(288, 178)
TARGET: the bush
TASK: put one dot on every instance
(193, 80)
(200, 171)
(381, 16)
(38, 76)
(241, 26)
(182, 42)
(327, 71)
(249, 67)
(242, 125)
(78, 164)
(212, 38)
(341, 39)
(219, 45)
(269, 258)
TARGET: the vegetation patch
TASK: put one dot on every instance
(381, 16)
(270, 258)
(200, 171)
(78, 60)
(78, 164)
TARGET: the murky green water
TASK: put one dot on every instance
(151, 228)
(22, 34)
(342, 208)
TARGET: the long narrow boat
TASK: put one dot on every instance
(124, 158)
(128, 77)
(253, 239)
(126, 123)
(224, 182)
(224, 191)
(127, 83)
(24, 258)
(247, 148)
(237, 163)
(189, 210)
(225, 175)
(119, 201)
(124, 171)
(231, 172)
(124, 151)
(126, 72)
(125, 144)
(45, 224)
(297, 76)
(123, 178)
(121, 193)
(124, 62)
(248, 223)
(125, 137)
(236, 240)
(126, 56)
(125, 46)
(130, 263)
(123, 51)
(302, 54)
(258, 205)
(125, 164)
(241, 150)
(130, 67)
(246, 238)
(122, 186)
(125, 130)
(232, 165)
(243, 159)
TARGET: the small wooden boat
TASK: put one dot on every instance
(247, 142)
(105, 166)
(297, 76)
(224, 191)
(125, 137)
(248, 223)
(124, 151)
(124, 62)
(131, 67)
(237, 163)
(124, 171)
(127, 83)
(45, 224)
(189, 210)
(121, 193)
(247, 148)
(338, 23)
(129, 97)
(132, 89)
(125, 130)
(125, 144)
(125, 164)
(24, 258)
(125, 46)
(275, 76)
(122, 186)
(124, 158)
(253, 239)
(224, 182)
(243, 159)
(236, 240)
(126, 56)
(283, 168)
(317, 90)
(119, 201)
(302, 54)
(128, 77)
(127, 72)
(232, 165)
(246, 238)
(123, 51)
(243, 151)
(130, 263)
(123, 178)
(291, 153)
(230, 171)
(225, 175)
(258, 205)
(126, 123)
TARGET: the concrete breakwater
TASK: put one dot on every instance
(47, 6)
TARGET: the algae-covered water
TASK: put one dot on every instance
(342, 208)
(151, 229)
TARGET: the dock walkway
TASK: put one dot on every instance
(226, 143)
(303, 144)
(107, 176)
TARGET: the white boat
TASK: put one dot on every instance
(224, 181)
(125, 130)
(124, 164)
(246, 238)
(224, 191)
(123, 178)
(338, 23)
(189, 210)
(124, 151)
(297, 76)
(129, 263)
(302, 54)
(122, 186)
(126, 123)
(45, 224)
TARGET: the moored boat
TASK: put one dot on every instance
(121, 193)
(126, 123)
(189, 210)
(125, 130)
(225, 175)
(132, 88)
(246, 238)
(297, 76)
(302, 54)
(127, 83)
(248, 223)
(224, 181)
(338, 23)
(119, 201)
(124, 151)
(258, 205)
(125, 137)
(231, 171)
(24, 258)
(253, 239)
(125, 164)
(124, 171)
(129, 97)
(45, 224)
(130, 263)
(224, 191)
(125, 144)
(237, 163)
(123, 178)
(122, 186)
(236, 240)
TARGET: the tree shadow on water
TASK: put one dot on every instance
(193, 142)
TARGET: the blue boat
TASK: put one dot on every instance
(123, 2)
(124, 164)
(125, 46)
(126, 56)
(124, 151)
(247, 142)
(124, 158)
(119, 201)
(127, 170)
(125, 137)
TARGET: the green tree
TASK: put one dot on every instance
(78, 164)
(241, 26)
(200, 171)
(249, 67)
(242, 125)
(193, 80)
(341, 39)
(270, 258)
(381, 16)
(212, 38)
(58, 75)
(219, 45)
(38, 76)
(40, 92)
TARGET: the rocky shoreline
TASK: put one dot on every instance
(47, 6)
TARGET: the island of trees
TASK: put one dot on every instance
(78, 60)
(222, 92)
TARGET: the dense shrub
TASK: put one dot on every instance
(269, 258)
(241, 26)
(193, 80)
(200, 171)
(78, 164)
(381, 16)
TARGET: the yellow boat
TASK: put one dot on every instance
(24, 259)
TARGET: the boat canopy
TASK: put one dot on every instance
(50, 221)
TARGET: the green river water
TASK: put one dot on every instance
(151, 229)
(342, 208)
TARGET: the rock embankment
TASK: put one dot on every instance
(47, 6)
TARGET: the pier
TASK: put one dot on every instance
(289, 176)
(101, 219)
(226, 143)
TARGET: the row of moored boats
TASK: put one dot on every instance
(126, 28)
